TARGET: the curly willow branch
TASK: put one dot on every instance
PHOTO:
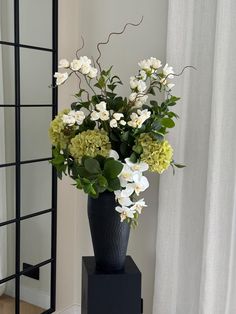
(77, 51)
(186, 67)
(109, 37)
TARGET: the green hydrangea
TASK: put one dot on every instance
(158, 155)
(90, 143)
(57, 131)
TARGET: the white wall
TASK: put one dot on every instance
(94, 20)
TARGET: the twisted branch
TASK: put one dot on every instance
(108, 39)
(77, 51)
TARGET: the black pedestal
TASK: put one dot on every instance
(116, 293)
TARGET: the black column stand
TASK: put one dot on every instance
(111, 293)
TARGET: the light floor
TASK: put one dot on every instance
(7, 306)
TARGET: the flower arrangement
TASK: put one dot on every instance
(106, 141)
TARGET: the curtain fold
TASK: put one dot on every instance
(196, 243)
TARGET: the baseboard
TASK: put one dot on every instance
(30, 295)
(73, 309)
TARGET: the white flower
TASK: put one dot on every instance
(145, 65)
(143, 75)
(93, 73)
(140, 183)
(76, 65)
(79, 117)
(101, 106)
(68, 119)
(125, 212)
(113, 123)
(170, 86)
(94, 115)
(140, 167)
(140, 100)
(126, 175)
(132, 96)
(63, 63)
(128, 191)
(114, 154)
(141, 86)
(168, 71)
(144, 114)
(85, 60)
(122, 122)
(133, 82)
(118, 116)
(104, 115)
(138, 206)
(61, 77)
(136, 121)
(123, 201)
(155, 63)
(85, 68)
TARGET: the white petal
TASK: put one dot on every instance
(114, 154)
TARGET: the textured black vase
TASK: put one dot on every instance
(109, 236)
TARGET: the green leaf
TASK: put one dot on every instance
(92, 165)
(153, 103)
(158, 136)
(123, 148)
(102, 182)
(168, 123)
(156, 125)
(179, 165)
(101, 82)
(124, 136)
(133, 158)
(113, 184)
(112, 168)
(138, 149)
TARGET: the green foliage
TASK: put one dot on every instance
(95, 175)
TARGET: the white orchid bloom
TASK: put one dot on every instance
(118, 115)
(63, 63)
(140, 183)
(126, 175)
(128, 191)
(76, 65)
(94, 115)
(61, 77)
(123, 201)
(93, 73)
(136, 121)
(139, 205)
(168, 71)
(139, 166)
(155, 63)
(144, 114)
(114, 154)
(113, 123)
(101, 106)
(125, 212)
(104, 115)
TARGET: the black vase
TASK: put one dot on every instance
(110, 236)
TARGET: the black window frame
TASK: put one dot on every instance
(18, 162)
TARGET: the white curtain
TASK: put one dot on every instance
(196, 233)
(3, 233)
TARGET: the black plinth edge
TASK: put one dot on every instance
(90, 265)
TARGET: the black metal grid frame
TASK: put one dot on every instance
(17, 106)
